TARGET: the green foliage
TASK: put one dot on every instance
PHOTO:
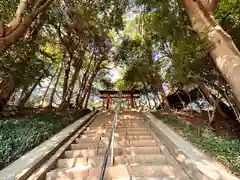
(224, 150)
(17, 136)
(228, 15)
(120, 85)
(7, 9)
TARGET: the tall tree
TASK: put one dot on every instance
(224, 52)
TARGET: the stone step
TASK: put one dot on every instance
(142, 143)
(144, 133)
(131, 129)
(117, 152)
(93, 134)
(72, 162)
(85, 172)
(85, 139)
(157, 171)
(84, 146)
(129, 122)
(146, 159)
(117, 134)
(103, 130)
(114, 172)
(133, 160)
(103, 144)
(119, 126)
(128, 138)
(143, 150)
(117, 143)
(154, 178)
(90, 161)
(118, 122)
(80, 153)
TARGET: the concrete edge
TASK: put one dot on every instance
(194, 162)
(23, 167)
(181, 174)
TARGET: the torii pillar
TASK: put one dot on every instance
(107, 101)
(132, 100)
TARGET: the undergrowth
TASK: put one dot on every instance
(226, 151)
(18, 136)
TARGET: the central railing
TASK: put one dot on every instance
(110, 145)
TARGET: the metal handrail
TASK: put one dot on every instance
(110, 144)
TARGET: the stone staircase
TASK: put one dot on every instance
(137, 153)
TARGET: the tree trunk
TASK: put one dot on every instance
(164, 99)
(146, 94)
(81, 100)
(148, 100)
(156, 94)
(209, 97)
(86, 90)
(154, 100)
(87, 98)
(84, 80)
(67, 98)
(51, 80)
(7, 88)
(206, 93)
(82, 87)
(23, 92)
(55, 86)
(224, 52)
(89, 82)
(78, 93)
(66, 77)
(29, 93)
(13, 98)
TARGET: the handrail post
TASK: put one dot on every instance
(113, 137)
(110, 143)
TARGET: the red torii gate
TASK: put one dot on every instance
(107, 95)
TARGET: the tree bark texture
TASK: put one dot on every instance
(87, 98)
(224, 52)
(66, 77)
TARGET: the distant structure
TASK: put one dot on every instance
(108, 95)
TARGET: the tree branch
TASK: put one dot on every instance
(14, 33)
(18, 17)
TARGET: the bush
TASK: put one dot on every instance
(18, 136)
